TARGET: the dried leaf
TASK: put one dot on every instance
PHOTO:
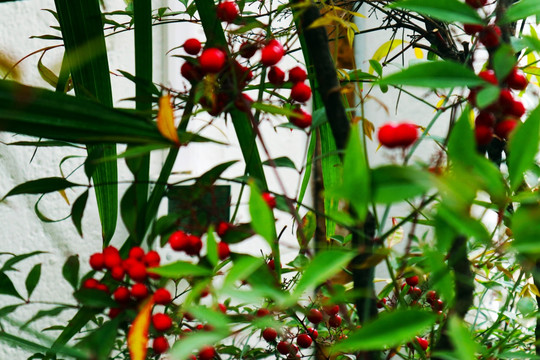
(165, 119)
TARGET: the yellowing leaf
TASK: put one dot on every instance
(384, 50)
(369, 128)
(137, 339)
(418, 53)
(165, 119)
(396, 237)
(534, 290)
(64, 195)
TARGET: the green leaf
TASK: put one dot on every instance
(243, 267)
(128, 212)
(194, 342)
(7, 287)
(465, 347)
(309, 222)
(211, 246)
(77, 211)
(46, 313)
(487, 96)
(41, 186)
(180, 269)
(16, 341)
(6, 310)
(435, 74)
(70, 271)
(281, 162)
(504, 61)
(445, 10)
(523, 146)
(94, 298)
(390, 329)
(32, 279)
(8, 265)
(102, 340)
(262, 217)
(526, 236)
(521, 10)
(392, 183)
(205, 315)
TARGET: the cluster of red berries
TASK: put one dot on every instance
(401, 135)
(415, 293)
(489, 35)
(192, 244)
(227, 11)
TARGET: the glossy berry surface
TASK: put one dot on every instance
(160, 345)
(297, 74)
(137, 272)
(490, 36)
(302, 119)
(422, 342)
(300, 92)
(207, 353)
(118, 273)
(283, 347)
(334, 321)
(97, 261)
(161, 322)
(331, 310)
(178, 240)
(483, 134)
(471, 29)
(269, 199)
(313, 333)
(517, 80)
(139, 291)
(397, 135)
(489, 76)
(271, 55)
(227, 11)
(223, 227)
(504, 128)
(152, 258)
(304, 341)
(269, 334)
(276, 76)
(111, 257)
(212, 60)
(314, 316)
(412, 280)
(192, 46)
(223, 250)
(162, 296)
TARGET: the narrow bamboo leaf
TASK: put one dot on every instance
(77, 211)
(137, 338)
(272, 109)
(307, 171)
(243, 267)
(45, 313)
(46, 74)
(212, 175)
(8, 265)
(32, 279)
(390, 329)
(41, 186)
(331, 171)
(521, 10)
(465, 347)
(211, 246)
(6, 310)
(434, 74)
(445, 10)
(262, 217)
(180, 269)
(101, 341)
(128, 211)
(523, 147)
(17, 341)
(397, 183)
(70, 271)
(205, 315)
(7, 287)
(94, 298)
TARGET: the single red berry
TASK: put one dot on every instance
(205, 293)
(476, 3)
(483, 134)
(490, 36)
(283, 347)
(222, 308)
(223, 227)
(128, 263)
(517, 80)
(189, 317)
(334, 321)
(388, 135)
(118, 273)
(313, 333)
(194, 245)
(102, 287)
(297, 74)
(139, 291)
(406, 134)
(437, 305)
(489, 76)
(136, 253)
(247, 50)
(300, 92)
(162, 296)
(90, 283)
(192, 46)
(412, 280)
(415, 292)
(114, 312)
(121, 294)
(506, 100)
(269, 334)
(271, 264)
(191, 72)
(263, 312)
(223, 250)
(160, 345)
(485, 118)
(504, 128)
(97, 261)
(227, 11)
(207, 353)
(302, 119)
(137, 272)
(271, 54)
(304, 341)
(269, 199)
(432, 296)
(380, 304)
(276, 76)
(314, 316)
(199, 327)
(422, 342)
(161, 322)
(178, 240)
(212, 60)
(331, 310)
(152, 258)
(111, 257)
(517, 109)
(471, 29)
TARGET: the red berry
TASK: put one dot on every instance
(276, 76)
(247, 50)
(331, 310)
(437, 305)
(516, 109)
(422, 342)
(189, 317)
(314, 316)
(283, 347)
(223, 227)
(471, 29)
(97, 261)
(505, 127)
(485, 118)
(490, 36)
(313, 333)
(102, 287)
(483, 134)
(334, 321)
(194, 245)
(118, 273)
(476, 3)
(412, 281)
(271, 54)
(212, 60)
(263, 312)
(90, 283)
(302, 119)
(304, 341)
(139, 291)
(205, 293)
(223, 250)
(269, 199)
(227, 11)
(397, 135)
(506, 100)
(431, 296)
(415, 292)
(271, 264)
(191, 72)
(178, 240)
(207, 353)
(269, 334)
(160, 345)
(300, 92)
(162, 296)
(407, 134)
(489, 76)
(192, 46)
(136, 253)
(380, 304)
(114, 312)
(121, 294)
(161, 322)
(222, 308)
(297, 74)
(137, 272)
(111, 257)
(517, 80)
(152, 258)
(199, 327)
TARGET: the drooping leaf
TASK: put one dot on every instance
(521, 10)
(165, 119)
(180, 269)
(70, 271)
(445, 10)
(137, 338)
(7, 287)
(77, 211)
(94, 298)
(46, 313)
(41, 186)
(309, 225)
(32, 279)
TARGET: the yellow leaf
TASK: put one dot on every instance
(534, 290)
(137, 339)
(440, 102)
(384, 50)
(368, 127)
(418, 53)
(63, 193)
(323, 21)
(165, 119)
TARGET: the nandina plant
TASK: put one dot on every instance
(444, 261)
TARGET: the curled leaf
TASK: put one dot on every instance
(165, 119)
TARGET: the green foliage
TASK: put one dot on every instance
(445, 10)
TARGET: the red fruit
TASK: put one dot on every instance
(189, 317)
(212, 60)
(380, 304)
(90, 283)
(160, 345)
(437, 305)
(269, 334)
(517, 80)
(431, 296)
(191, 72)
(243, 102)
(415, 292)
(506, 100)
(269, 199)
(161, 322)
(152, 259)
(505, 127)
(422, 342)
(222, 308)
(162, 296)
(114, 312)
(137, 272)
(276, 76)
(247, 50)
(223, 227)
(483, 134)
(118, 273)
(97, 261)
(476, 3)
(227, 11)
(139, 291)
(471, 29)
(111, 257)
(302, 119)
(334, 321)
(489, 76)
(178, 240)
(283, 347)
(121, 294)
(136, 253)
(205, 293)
(300, 92)
(304, 341)
(207, 353)
(313, 333)
(194, 245)
(472, 97)
(485, 118)
(199, 327)
(314, 316)
(102, 287)
(516, 109)
(271, 265)
(263, 312)
(331, 310)
(192, 46)
(223, 250)
(412, 281)
(400, 135)
(271, 54)
(297, 74)
(490, 36)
